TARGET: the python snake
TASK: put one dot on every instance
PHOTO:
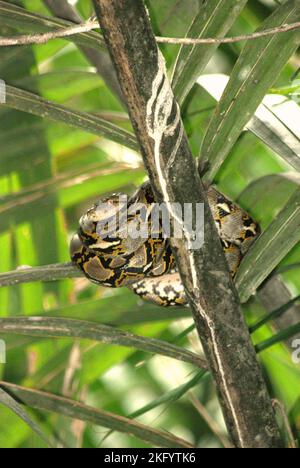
(147, 265)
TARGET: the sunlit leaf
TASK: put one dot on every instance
(256, 70)
(214, 19)
(278, 338)
(275, 122)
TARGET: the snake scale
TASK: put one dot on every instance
(147, 266)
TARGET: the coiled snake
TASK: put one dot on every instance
(147, 265)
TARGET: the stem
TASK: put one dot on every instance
(43, 273)
(172, 170)
(43, 38)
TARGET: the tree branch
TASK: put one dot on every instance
(43, 38)
(172, 170)
(89, 25)
(54, 327)
(43, 273)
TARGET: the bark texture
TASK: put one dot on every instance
(172, 170)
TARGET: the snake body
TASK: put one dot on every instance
(146, 265)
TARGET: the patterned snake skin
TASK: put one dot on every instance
(147, 266)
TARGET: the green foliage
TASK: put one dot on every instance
(65, 141)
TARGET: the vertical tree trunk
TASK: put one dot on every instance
(172, 170)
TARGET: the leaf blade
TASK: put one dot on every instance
(76, 410)
(256, 70)
(31, 103)
(13, 405)
(270, 248)
(278, 338)
(213, 20)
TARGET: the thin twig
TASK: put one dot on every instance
(89, 25)
(43, 38)
(187, 41)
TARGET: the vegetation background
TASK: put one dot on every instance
(55, 162)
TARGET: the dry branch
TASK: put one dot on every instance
(172, 170)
